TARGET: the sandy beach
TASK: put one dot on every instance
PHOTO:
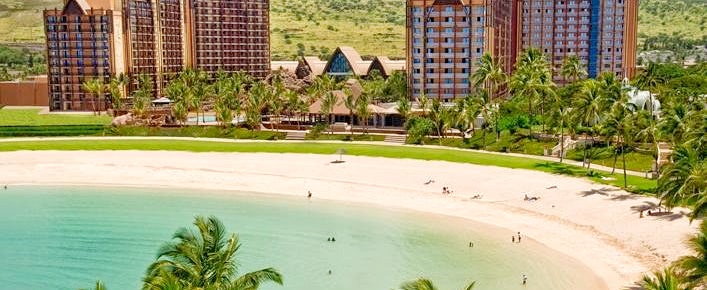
(592, 223)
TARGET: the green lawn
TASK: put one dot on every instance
(636, 184)
(635, 161)
(31, 117)
(346, 137)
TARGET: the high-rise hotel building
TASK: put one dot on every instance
(446, 38)
(100, 38)
(602, 33)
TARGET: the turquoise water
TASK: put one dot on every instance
(66, 238)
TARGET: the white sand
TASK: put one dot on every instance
(595, 224)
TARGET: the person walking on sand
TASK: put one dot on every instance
(519, 237)
(513, 239)
(525, 279)
(309, 194)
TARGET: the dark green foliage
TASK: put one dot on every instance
(195, 131)
(51, 130)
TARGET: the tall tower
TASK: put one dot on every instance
(446, 39)
(602, 33)
(81, 45)
(229, 35)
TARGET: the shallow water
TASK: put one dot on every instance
(68, 237)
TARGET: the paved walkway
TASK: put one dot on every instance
(544, 158)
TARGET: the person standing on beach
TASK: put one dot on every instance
(513, 239)
(519, 237)
(309, 194)
(525, 279)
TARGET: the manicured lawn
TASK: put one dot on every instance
(636, 184)
(346, 137)
(636, 161)
(31, 117)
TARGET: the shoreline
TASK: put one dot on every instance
(592, 223)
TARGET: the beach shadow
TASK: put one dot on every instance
(593, 192)
(670, 216)
(647, 205)
(635, 287)
(557, 168)
(337, 161)
(627, 196)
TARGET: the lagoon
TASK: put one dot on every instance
(68, 237)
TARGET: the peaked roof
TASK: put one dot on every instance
(315, 64)
(386, 66)
(358, 65)
(76, 6)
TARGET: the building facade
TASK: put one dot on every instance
(446, 38)
(100, 38)
(602, 33)
(80, 46)
(230, 35)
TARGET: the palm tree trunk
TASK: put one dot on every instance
(562, 139)
(623, 158)
(483, 136)
(616, 156)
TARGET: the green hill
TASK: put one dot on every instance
(373, 27)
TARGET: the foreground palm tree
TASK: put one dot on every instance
(100, 286)
(684, 181)
(695, 267)
(425, 284)
(665, 280)
(572, 69)
(203, 260)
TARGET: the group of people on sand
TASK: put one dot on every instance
(513, 238)
(446, 190)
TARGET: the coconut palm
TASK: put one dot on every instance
(665, 280)
(650, 80)
(100, 286)
(438, 117)
(695, 267)
(350, 103)
(328, 103)
(684, 180)
(424, 103)
(489, 74)
(204, 259)
(362, 110)
(143, 95)
(619, 124)
(404, 108)
(426, 284)
(116, 87)
(488, 111)
(588, 108)
(255, 102)
(98, 89)
(647, 131)
(532, 80)
(573, 69)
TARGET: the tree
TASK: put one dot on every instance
(205, 259)
(438, 116)
(362, 110)
(418, 128)
(116, 87)
(328, 103)
(350, 103)
(573, 69)
(619, 124)
(425, 284)
(684, 180)
(532, 80)
(588, 107)
(143, 95)
(489, 74)
(255, 103)
(100, 286)
(404, 109)
(424, 103)
(695, 267)
(97, 88)
(665, 280)
(488, 111)
(177, 93)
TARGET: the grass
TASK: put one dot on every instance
(636, 184)
(635, 161)
(514, 143)
(31, 117)
(373, 27)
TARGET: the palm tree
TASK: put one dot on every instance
(143, 95)
(648, 132)
(573, 69)
(683, 181)
(426, 284)
(619, 124)
(350, 103)
(649, 80)
(588, 107)
(487, 109)
(489, 74)
(97, 88)
(438, 116)
(362, 110)
(404, 108)
(255, 103)
(204, 259)
(532, 80)
(116, 89)
(100, 286)
(424, 103)
(665, 280)
(695, 267)
(176, 91)
(328, 103)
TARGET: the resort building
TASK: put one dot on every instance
(446, 38)
(229, 35)
(602, 33)
(345, 62)
(100, 38)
